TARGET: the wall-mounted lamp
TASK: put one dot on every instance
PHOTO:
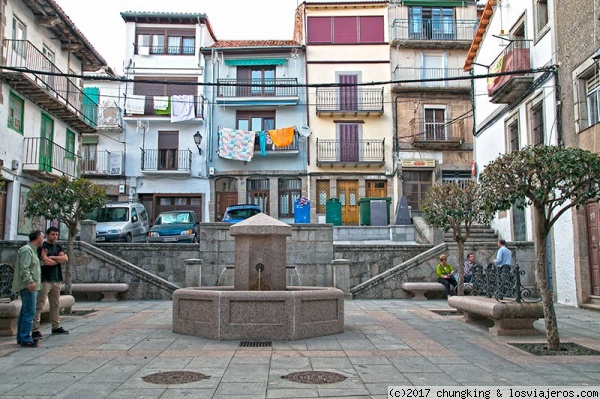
(596, 58)
(198, 140)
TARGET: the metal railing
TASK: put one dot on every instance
(166, 160)
(350, 99)
(109, 114)
(514, 57)
(104, 163)
(164, 50)
(7, 273)
(361, 151)
(150, 111)
(258, 87)
(436, 74)
(433, 29)
(47, 156)
(23, 54)
(503, 284)
(432, 130)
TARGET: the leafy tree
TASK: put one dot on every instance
(69, 202)
(456, 207)
(551, 180)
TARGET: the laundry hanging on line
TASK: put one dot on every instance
(182, 108)
(135, 104)
(282, 137)
(236, 144)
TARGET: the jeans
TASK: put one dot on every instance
(26, 316)
(447, 282)
(51, 291)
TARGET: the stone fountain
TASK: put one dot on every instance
(259, 306)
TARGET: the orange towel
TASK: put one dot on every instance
(282, 137)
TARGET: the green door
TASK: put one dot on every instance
(91, 96)
(46, 143)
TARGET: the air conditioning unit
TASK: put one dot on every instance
(14, 165)
(211, 171)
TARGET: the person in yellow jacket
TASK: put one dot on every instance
(445, 274)
(27, 281)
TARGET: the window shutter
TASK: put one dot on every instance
(319, 30)
(168, 140)
(345, 30)
(371, 29)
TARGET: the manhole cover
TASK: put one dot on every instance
(251, 344)
(446, 312)
(174, 377)
(566, 349)
(314, 377)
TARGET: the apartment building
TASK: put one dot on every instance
(42, 100)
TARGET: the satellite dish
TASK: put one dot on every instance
(304, 130)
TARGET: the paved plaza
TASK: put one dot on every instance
(386, 342)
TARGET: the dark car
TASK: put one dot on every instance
(237, 213)
(174, 226)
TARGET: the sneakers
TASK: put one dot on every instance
(30, 344)
(59, 330)
(36, 335)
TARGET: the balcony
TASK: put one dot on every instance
(257, 91)
(56, 94)
(164, 50)
(509, 88)
(431, 134)
(349, 100)
(107, 116)
(47, 159)
(103, 163)
(437, 75)
(431, 33)
(342, 153)
(149, 110)
(159, 161)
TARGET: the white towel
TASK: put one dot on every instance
(161, 103)
(135, 104)
(143, 50)
(182, 108)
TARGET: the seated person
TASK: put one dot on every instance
(445, 274)
(469, 267)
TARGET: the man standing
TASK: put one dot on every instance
(27, 281)
(52, 256)
(504, 256)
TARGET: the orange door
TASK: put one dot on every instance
(348, 196)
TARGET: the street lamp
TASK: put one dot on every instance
(596, 58)
(198, 140)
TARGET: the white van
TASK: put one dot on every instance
(121, 221)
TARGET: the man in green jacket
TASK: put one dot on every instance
(27, 281)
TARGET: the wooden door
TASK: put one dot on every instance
(348, 196)
(348, 134)
(348, 94)
(2, 212)
(435, 128)
(376, 188)
(592, 211)
(46, 143)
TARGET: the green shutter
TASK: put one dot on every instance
(91, 95)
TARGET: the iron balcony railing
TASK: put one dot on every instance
(437, 75)
(424, 130)
(514, 57)
(150, 111)
(361, 151)
(167, 160)
(434, 29)
(109, 115)
(43, 155)
(103, 162)
(164, 50)
(23, 54)
(285, 87)
(349, 99)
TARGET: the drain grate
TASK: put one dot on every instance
(174, 377)
(446, 312)
(314, 377)
(252, 344)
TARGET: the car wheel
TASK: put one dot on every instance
(129, 238)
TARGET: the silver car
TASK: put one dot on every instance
(121, 221)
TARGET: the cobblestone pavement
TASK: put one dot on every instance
(386, 342)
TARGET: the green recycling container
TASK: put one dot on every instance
(364, 209)
(333, 211)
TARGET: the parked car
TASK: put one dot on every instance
(174, 226)
(239, 212)
(121, 221)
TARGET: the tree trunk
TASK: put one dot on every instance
(539, 240)
(71, 255)
(461, 266)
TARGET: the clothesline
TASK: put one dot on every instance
(238, 144)
(179, 107)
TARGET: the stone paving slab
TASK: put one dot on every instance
(386, 342)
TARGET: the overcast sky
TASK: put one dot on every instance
(102, 25)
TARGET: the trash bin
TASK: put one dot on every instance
(372, 211)
(333, 211)
(302, 210)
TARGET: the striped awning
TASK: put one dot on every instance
(255, 61)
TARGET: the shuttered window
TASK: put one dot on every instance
(319, 30)
(593, 98)
(345, 30)
(163, 89)
(371, 29)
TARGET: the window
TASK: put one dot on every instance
(258, 193)
(89, 157)
(435, 124)
(263, 75)
(153, 89)
(592, 93)
(345, 30)
(168, 143)
(165, 41)
(415, 185)
(289, 191)
(456, 177)
(322, 195)
(348, 138)
(513, 136)
(431, 23)
(257, 121)
(70, 145)
(19, 35)
(15, 112)
(537, 124)
(541, 14)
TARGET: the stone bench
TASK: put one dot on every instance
(419, 289)
(9, 313)
(510, 318)
(108, 290)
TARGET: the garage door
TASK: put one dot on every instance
(163, 203)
